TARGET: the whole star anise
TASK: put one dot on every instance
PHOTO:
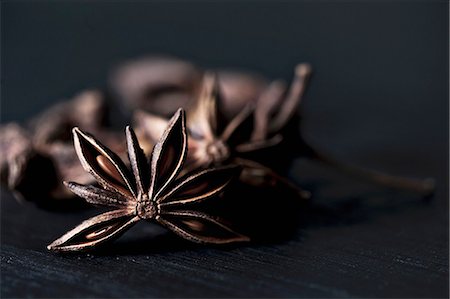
(215, 141)
(154, 193)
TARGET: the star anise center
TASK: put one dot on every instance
(218, 151)
(146, 208)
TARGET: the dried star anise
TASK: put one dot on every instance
(37, 157)
(162, 84)
(155, 193)
(214, 141)
(261, 128)
(24, 170)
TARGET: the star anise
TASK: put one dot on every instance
(265, 128)
(38, 155)
(214, 141)
(154, 194)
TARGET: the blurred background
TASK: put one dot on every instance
(378, 97)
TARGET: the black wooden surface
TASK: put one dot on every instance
(378, 99)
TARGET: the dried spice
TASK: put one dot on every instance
(254, 136)
(161, 85)
(154, 193)
(88, 110)
(24, 170)
(15, 146)
(238, 116)
(44, 148)
(238, 88)
(214, 141)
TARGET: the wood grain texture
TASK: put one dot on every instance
(339, 251)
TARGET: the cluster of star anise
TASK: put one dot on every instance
(236, 127)
(231, 116)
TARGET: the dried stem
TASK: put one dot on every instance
(278, 178)
(425, 187)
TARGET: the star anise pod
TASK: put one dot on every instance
(214, 141)
(162, 84)
(38, 156)
(154, 193)
(24, 170)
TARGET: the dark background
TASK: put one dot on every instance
(378, 98)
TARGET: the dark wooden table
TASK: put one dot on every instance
(379, 98)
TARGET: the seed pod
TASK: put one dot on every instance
(35, 162)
